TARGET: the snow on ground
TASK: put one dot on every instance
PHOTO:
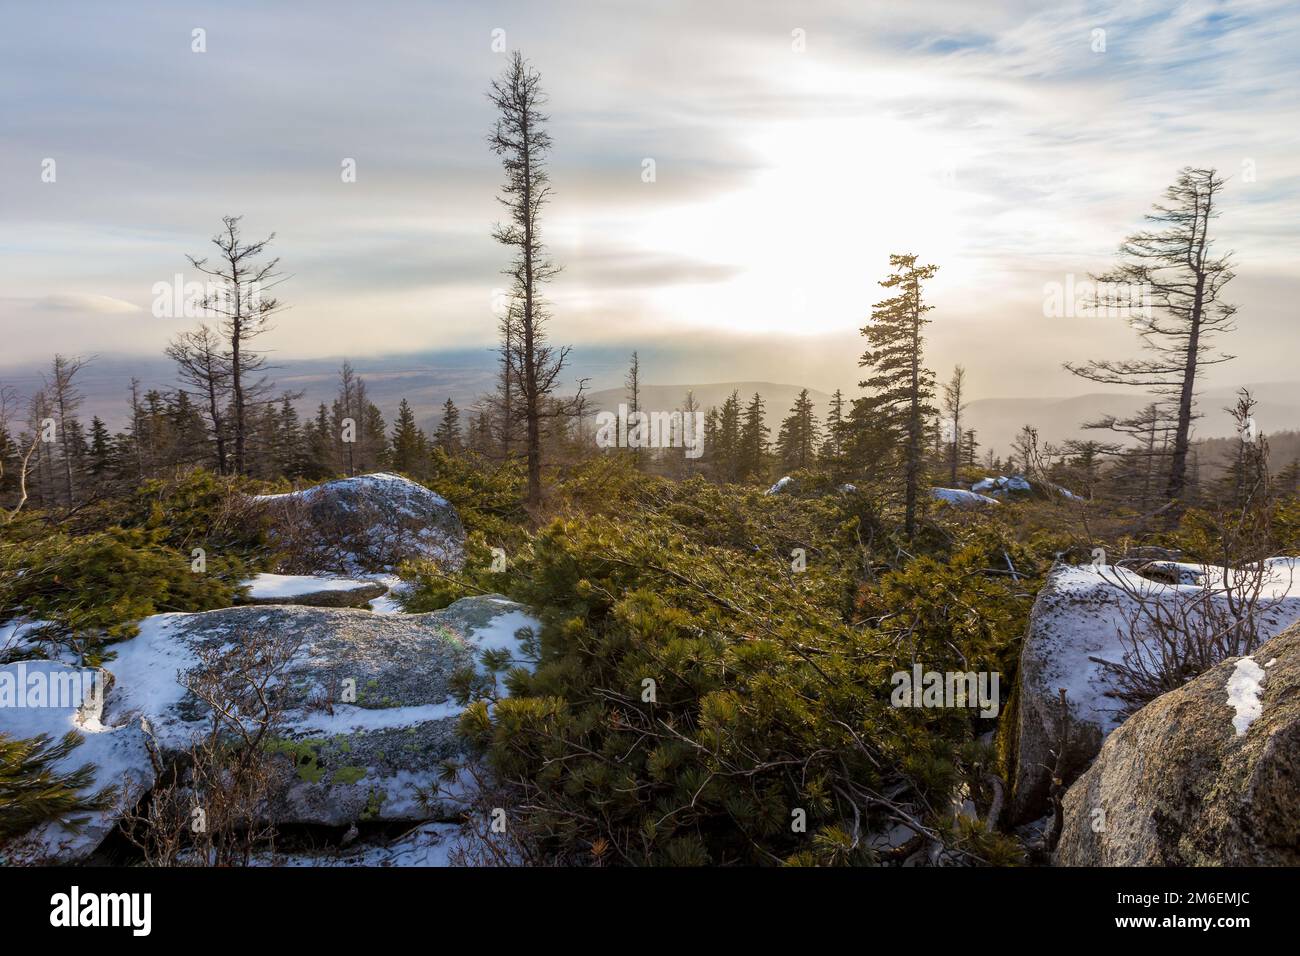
(959, 496)
(1278, 577)
(146, 671)
(1095, 607)
(19, 636)
(272, 586)
(118, 753)
(1004, 484)
(349, 719)
(430, 845)
(500, 634)
(1067, 493)
(389, 603)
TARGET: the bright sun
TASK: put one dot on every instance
(813, 229)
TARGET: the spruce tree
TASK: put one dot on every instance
(726, 440)
(753, 441)
(796, 442)
(321, 457)
(447, 436)
(902, 388)
(407, 451)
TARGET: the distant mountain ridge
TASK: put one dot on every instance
(778, 398)
(998, 420)
(427, 380)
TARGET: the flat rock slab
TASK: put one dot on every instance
(368, 708)
(310, 590)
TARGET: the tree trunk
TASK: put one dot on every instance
(1182, 435)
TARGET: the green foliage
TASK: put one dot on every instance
(199, 509)
(489, 496)
(765, 700)
(33, 791)
(106, 581)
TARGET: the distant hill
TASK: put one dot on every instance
(999, 419)
(777, 397)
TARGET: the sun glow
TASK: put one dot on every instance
(813, 229)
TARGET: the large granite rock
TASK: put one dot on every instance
(1084, 613)
(368, 705)
(366, 524)
(1208, 774)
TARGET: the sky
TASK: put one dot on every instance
(794, 146)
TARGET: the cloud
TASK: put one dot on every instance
(87, 303)
(991, 135)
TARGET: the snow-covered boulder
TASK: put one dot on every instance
(962, 498)
(782, 484)
(367, 699)
(1018, 486)
(311, 590)
(50, 698)
(1205, 775)
(1003, 486)
(366, 524)
(1090, 612)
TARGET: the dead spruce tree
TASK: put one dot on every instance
(1168, 283)
(954, 409)
(531, 367)
(202, 365)
(238, 297)
(65, 401)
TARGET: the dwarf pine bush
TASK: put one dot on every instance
(94, 577)
(701, 701)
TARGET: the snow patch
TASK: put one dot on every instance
(1089, 609)
(959, 496)
(1244, 688)
(781, 485)
(274, 586)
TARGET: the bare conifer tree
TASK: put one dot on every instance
(954, 406)
(65, 399)
(531, 365)
(202, 365)
(244, 307)
(1169, 283)
(633, 385)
